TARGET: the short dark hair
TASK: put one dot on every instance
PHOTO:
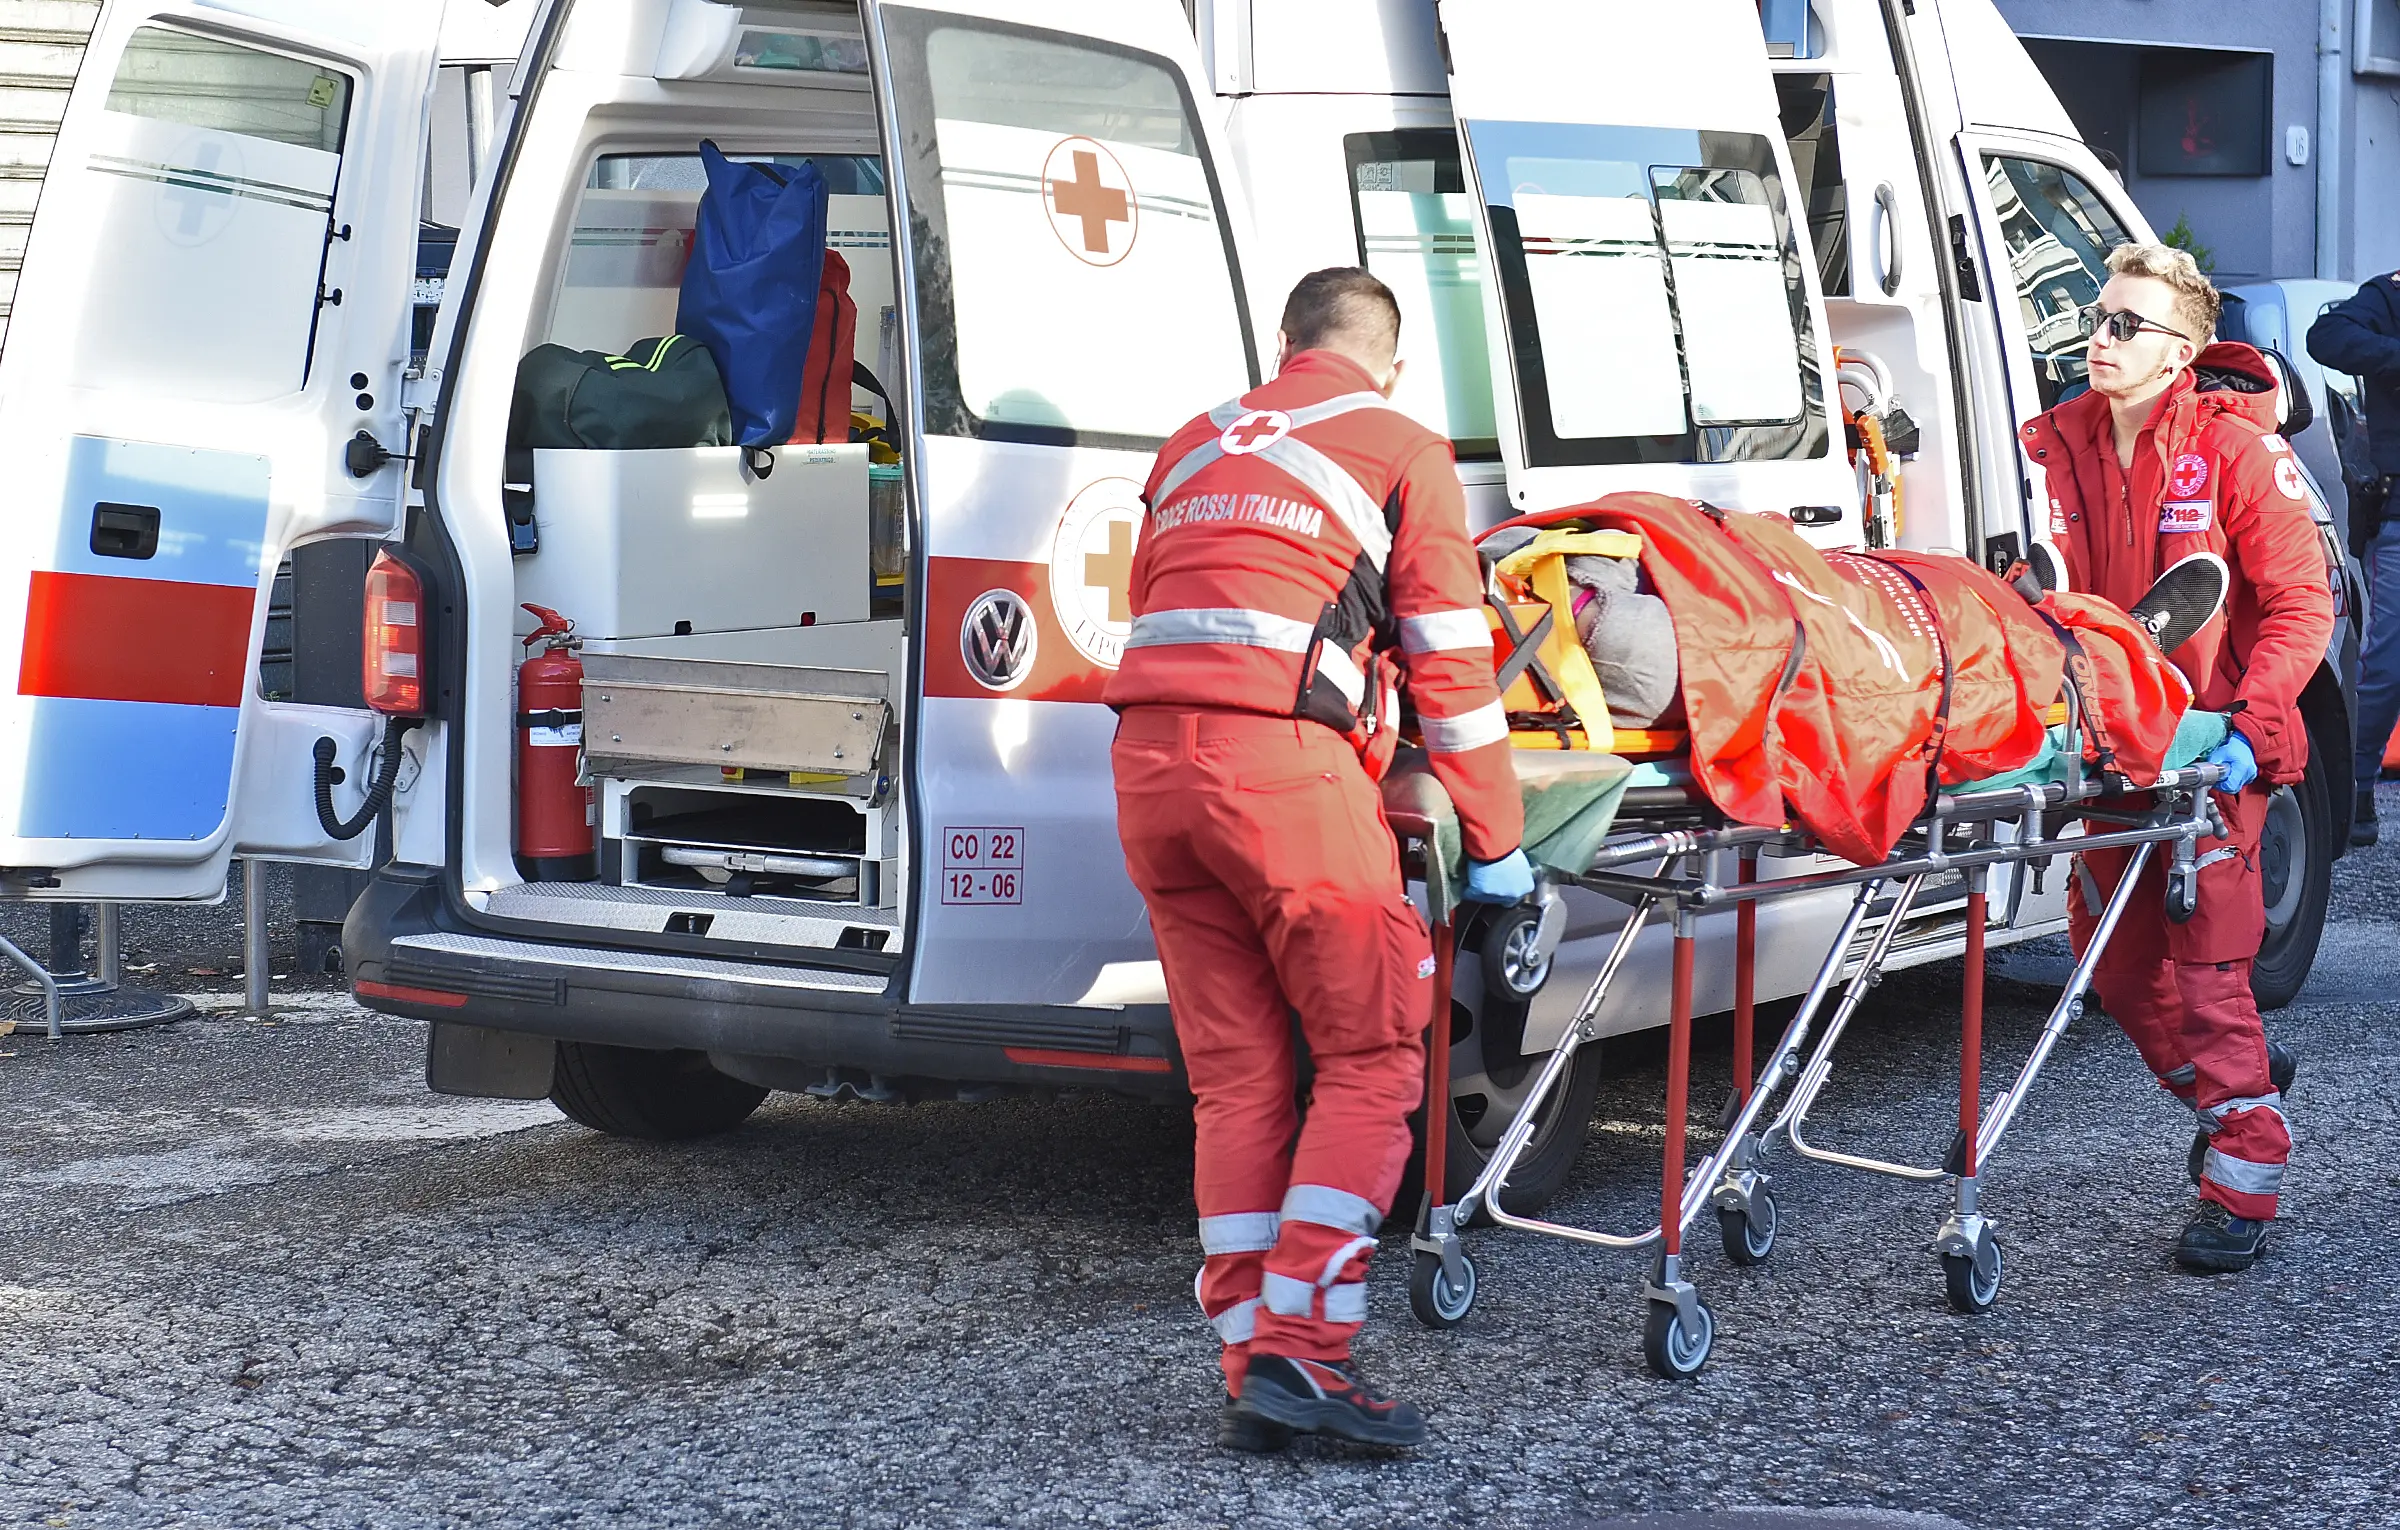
(1342, 303)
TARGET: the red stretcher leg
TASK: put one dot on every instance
(1745, 987)
(1437, 1075)
(1970, 1038)
(1679, 1084)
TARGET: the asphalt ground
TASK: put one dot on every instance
(252, 1274)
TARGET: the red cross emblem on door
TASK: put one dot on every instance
(1091, 201)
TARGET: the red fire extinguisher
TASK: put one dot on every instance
(554, 808)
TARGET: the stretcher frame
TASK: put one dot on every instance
(1967, 831)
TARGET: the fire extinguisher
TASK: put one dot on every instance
(554, 806)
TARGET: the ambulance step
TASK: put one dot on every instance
(486, 948)
(651, 910)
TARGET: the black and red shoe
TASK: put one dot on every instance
(1249, 1433)
(1326, 1397)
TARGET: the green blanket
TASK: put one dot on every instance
(1571, 799)
(2195, 736)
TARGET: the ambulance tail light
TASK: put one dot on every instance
(397, 651)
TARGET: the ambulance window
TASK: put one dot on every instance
(211, 180)
(633, 230)
(1656, 306)
(2058, 234)
(1416, 231)
(1074, 279)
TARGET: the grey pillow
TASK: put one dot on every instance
(1631, 639)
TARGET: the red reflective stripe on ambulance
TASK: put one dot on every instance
(952, 586)
(101, 638)
(1106, 1062)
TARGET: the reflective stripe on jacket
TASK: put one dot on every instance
(1300, 538)
(2209, 474)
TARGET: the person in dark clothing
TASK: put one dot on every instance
(2361, 336)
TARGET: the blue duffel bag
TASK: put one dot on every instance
(750, 289)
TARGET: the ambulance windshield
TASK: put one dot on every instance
(1654, 297)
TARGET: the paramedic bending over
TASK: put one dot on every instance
(2174, 452)
(1304, 541)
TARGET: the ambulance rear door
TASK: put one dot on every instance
(213, 307)
(1072, 293)
(1657, 323)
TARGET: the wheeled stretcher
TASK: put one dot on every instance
(1664, 857)
(1668, 853)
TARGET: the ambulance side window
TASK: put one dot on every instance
(1075, 280)
(1416, 231)
(2058, 233)
(1656, 306)
(1810, 133)
(212, 185)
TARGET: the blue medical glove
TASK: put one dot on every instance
(1506, 880)
(2241, 765)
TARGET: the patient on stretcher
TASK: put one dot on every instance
(1835, 689)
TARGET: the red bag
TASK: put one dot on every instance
(832, 350)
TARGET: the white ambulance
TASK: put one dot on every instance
(842, 725)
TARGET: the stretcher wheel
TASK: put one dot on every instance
(1432, 1298)
(1748, 1242)
(1971, 1290)
(1513, 960)
(1674, 1351)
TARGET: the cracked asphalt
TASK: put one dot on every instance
(251, 1273)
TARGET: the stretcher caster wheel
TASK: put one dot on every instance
(1972, 1290)
(1673, 1350)
(1436, 1302)
(1748, 1241)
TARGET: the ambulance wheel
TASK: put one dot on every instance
(1673, 1350)
(1484, 1098)
(1432, 1298)
(1972, 1290)
(653, 1095)
(1749, 1242)
(2296, 847)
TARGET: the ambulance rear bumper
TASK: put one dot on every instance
(785, 1026)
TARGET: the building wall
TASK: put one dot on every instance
(2257, 226)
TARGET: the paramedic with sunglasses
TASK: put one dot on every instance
(2174, 452)
(1306, 549)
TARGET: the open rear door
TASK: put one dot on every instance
(213, 306)
(1071, 295)
(1661, 326)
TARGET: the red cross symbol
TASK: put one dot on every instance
(1088, 201)
(1255, 432)
(1112, 571)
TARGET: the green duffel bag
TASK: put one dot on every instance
(662, 392)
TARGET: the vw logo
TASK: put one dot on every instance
(998, 639)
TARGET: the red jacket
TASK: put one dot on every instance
(1299, 538)
(2209, 474)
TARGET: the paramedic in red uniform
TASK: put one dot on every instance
(2173, 452)
(1306, 545)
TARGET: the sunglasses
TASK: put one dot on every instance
(2122, 325)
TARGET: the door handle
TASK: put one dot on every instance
(124, 531)
(1887, 237)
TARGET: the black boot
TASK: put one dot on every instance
(1247, 1432)
(2216, 1242)
(1326, 1397)
(2364, 829)
(2183, 600)
(2283, 1064)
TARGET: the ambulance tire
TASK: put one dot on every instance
(1480, 1111)
(2296, 852)
(652, 1095)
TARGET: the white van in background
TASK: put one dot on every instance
(856, 832)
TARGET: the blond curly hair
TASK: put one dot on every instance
(2197, 301)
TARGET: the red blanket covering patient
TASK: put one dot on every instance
(1819, 687)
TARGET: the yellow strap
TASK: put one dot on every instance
(1563, 650)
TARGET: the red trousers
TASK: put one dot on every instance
(1274, 888)
(2182, 993)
